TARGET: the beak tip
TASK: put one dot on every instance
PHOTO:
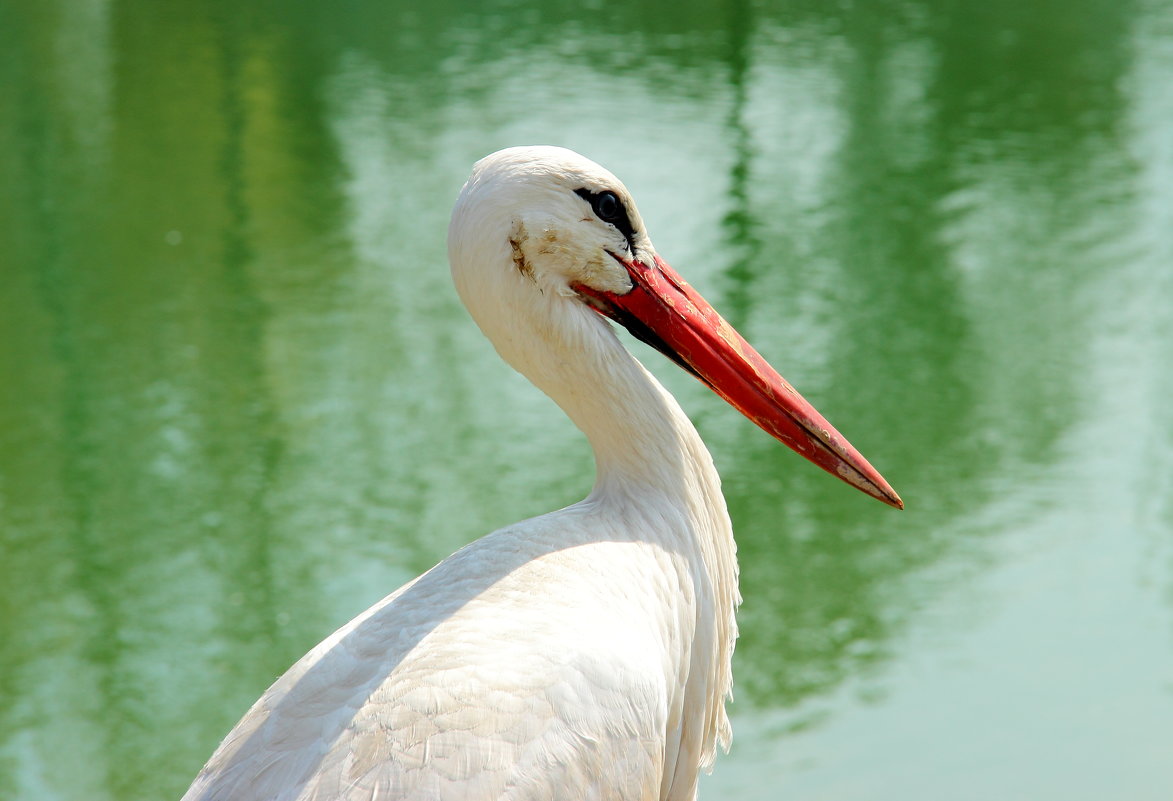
(888, 495)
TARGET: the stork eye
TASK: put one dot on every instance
(607, 206)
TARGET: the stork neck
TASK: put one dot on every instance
(651, 467)
(641, 438)
(646, 448)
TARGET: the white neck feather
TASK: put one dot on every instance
(646, 449)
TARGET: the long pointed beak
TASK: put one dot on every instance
(667, 313)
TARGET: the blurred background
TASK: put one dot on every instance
(240, 401)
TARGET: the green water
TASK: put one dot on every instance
(239, 400)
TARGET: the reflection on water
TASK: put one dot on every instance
(243, 401)
(940, 262)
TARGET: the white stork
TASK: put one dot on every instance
(583, 654)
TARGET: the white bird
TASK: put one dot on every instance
(583, 654)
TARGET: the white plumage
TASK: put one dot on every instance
(583, 654)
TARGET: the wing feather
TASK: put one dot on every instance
(438, 692)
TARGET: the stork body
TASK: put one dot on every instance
(583, 654)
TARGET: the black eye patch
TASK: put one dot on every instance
(609, 208)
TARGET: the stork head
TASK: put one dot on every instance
(562, 216)
(543, 243)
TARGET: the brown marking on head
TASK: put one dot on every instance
(516, 239)
(519, 260)
(550, 244)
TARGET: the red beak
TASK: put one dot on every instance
(667, 313)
